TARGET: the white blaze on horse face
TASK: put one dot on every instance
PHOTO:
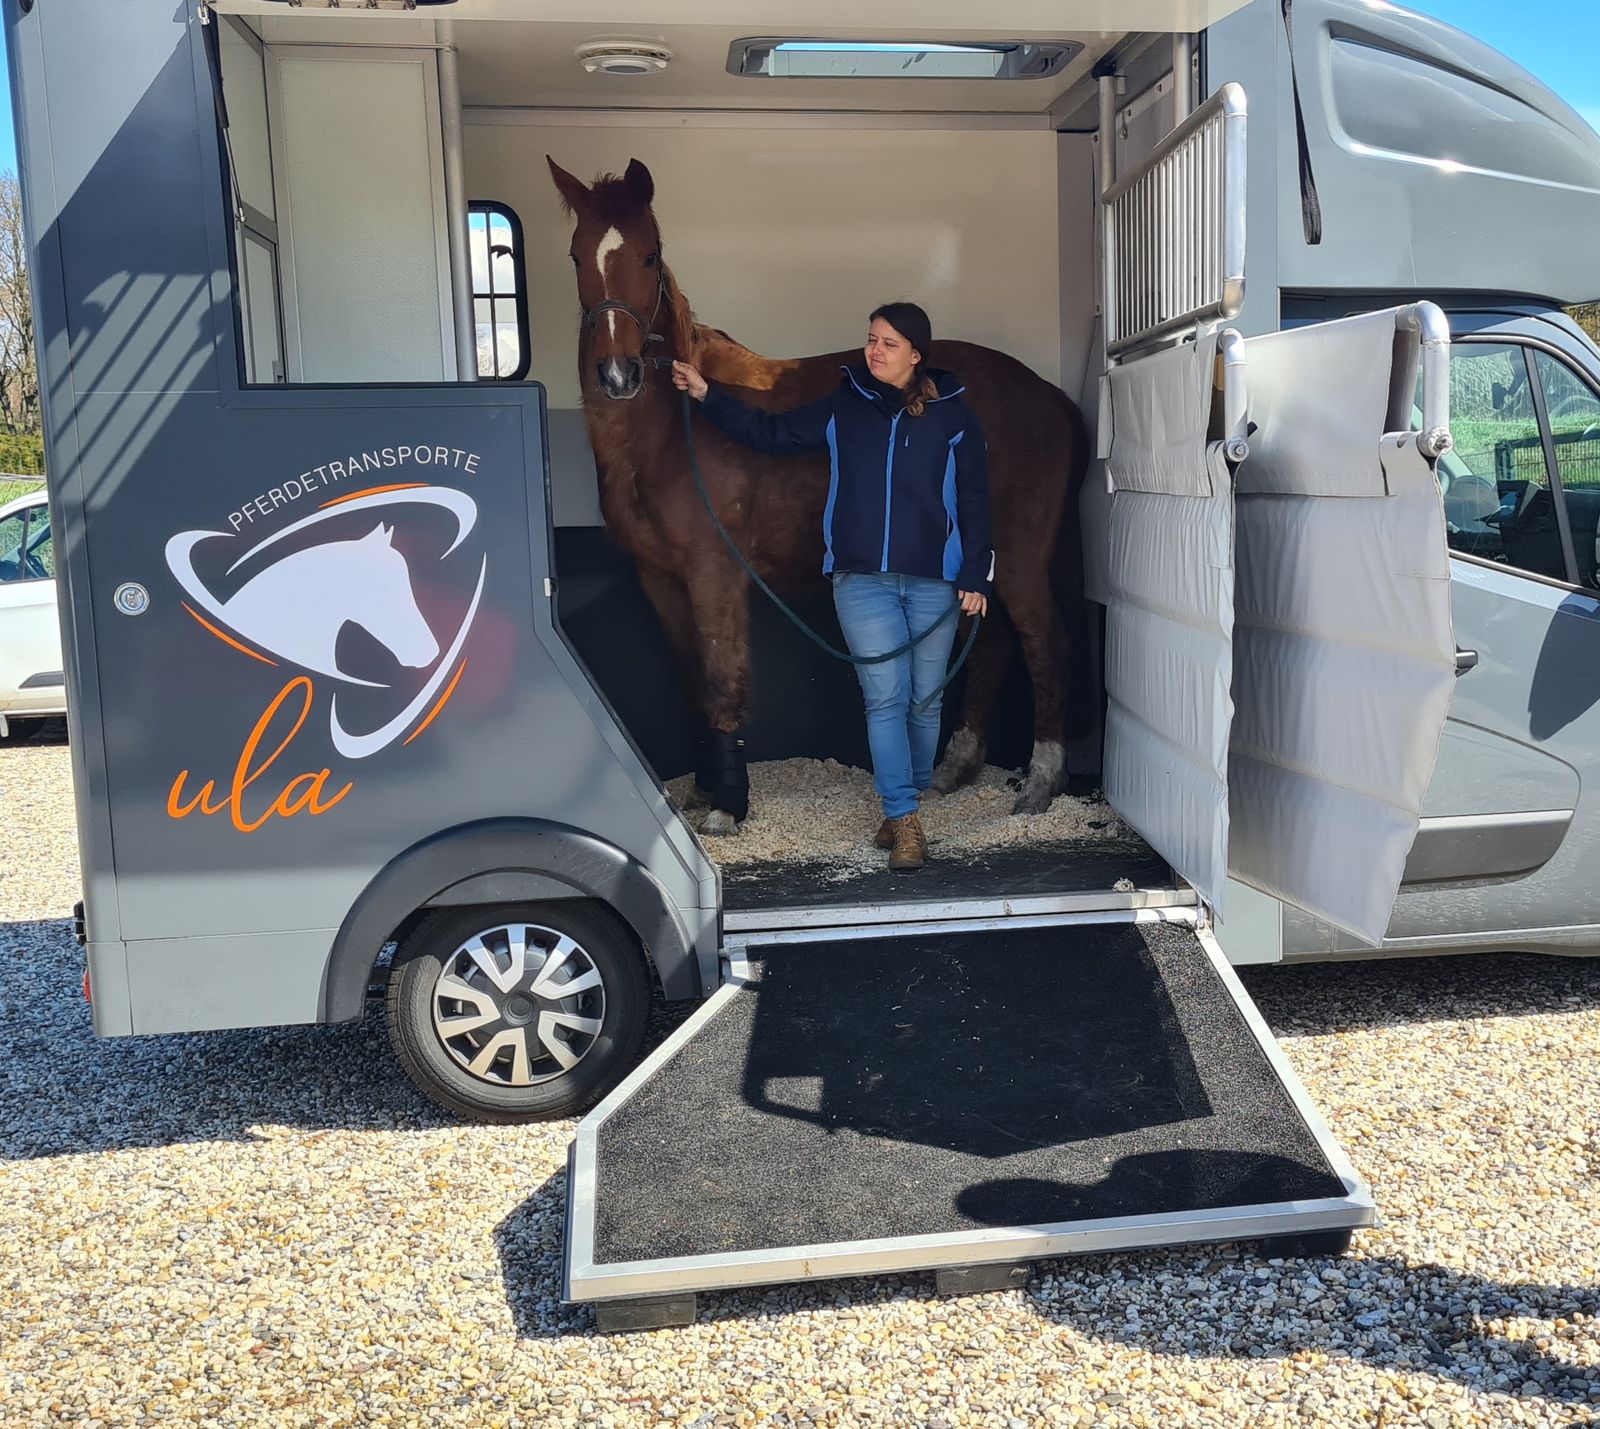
(610, 242)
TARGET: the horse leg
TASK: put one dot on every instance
(721, 602)
(986, 672)
(670, 597)
(1045, 647)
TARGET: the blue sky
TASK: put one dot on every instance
(1558, 40)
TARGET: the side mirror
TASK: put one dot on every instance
(1497, 395)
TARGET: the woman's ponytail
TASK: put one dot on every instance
(923, 390)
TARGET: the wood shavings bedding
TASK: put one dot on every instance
(819, 810)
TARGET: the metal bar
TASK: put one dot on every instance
(736, 920)
(455, 205)
(1110, 310)
(1235, 396)
(1428, 322)
(1182, 75)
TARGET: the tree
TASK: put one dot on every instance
(19, 366)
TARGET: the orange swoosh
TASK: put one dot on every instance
(371, 491)
(224, 637)
(439, 704)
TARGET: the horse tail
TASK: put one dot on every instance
(1067, 575)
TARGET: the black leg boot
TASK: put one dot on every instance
(705, 767)
(731, 792)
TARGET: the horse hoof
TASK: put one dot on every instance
(718, 823)
(1033, 801)
(963, 757)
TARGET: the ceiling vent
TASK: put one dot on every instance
(624, 57)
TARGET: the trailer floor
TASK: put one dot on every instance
(1049, 867)
(870, 1088)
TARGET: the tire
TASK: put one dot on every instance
(20, 729)
(508, 1050)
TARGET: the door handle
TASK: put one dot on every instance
(1465, 660)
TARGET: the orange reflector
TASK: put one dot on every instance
(87, 995)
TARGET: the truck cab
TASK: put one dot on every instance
(1396, 158)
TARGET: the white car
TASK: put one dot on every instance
(32, 686)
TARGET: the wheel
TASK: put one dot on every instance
(1309, 1246)
(518, 1012)
(19, 730)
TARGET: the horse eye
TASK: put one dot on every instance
(651, 259)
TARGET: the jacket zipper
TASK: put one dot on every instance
(888, 488)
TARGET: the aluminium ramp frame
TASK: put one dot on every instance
(645, 1240)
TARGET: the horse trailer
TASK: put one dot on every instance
(361, 700)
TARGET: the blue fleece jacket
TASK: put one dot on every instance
(907, 494)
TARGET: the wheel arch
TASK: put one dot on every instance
(502, 861)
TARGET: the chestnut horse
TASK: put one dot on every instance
(634, 312)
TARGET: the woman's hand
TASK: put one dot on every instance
(686, 379)
(972, 603)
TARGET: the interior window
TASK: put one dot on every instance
(1498, 502)
(1575, 426)
(499, 292)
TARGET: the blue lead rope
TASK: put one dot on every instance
(794, 618)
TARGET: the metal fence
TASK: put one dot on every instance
(1577, 455)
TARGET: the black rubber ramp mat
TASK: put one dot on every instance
(1021, 871)
(903, 1086)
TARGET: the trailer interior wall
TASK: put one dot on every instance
(788, 232)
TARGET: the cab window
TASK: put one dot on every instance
(1575, 432)
(26, 551)
(1498, 499)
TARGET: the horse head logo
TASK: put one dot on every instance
(295, 607)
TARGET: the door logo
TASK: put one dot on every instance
(334, 596)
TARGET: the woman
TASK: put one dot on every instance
(905, 532)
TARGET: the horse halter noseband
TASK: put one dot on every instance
(592, 316)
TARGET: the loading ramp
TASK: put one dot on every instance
(964, 1098)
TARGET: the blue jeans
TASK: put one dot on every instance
(878, 612)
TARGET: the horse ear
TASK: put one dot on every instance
(574, 192)
(641, 187)
(380, 535)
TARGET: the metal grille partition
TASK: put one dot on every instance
(1174, 230)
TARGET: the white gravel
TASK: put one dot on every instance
(271, 1228)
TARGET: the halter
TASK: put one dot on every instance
(615, 305)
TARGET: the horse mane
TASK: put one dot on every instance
(720, 357)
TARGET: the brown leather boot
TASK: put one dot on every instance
(884, 838)
(910, 845)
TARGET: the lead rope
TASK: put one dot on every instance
(783, 605)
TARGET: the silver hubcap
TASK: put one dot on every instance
(519, 1004)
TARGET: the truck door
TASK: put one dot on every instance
(1280, 653)
(1507, 837)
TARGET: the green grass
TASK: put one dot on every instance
(10, 490)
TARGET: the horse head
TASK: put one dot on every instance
(387, 606)
(622, 283)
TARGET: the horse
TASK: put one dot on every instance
(634, 312)
(296, 607)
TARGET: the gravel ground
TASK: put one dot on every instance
(271, 1228)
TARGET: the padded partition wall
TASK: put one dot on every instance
(1169, 626)
(1344, 652)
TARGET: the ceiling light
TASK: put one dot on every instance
(624, 57)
